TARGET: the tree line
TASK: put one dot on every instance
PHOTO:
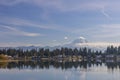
(41, 52)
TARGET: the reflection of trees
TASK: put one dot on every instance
(3, 64)
(113, 65)
(57, 65)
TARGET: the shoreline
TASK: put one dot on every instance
(64, 59)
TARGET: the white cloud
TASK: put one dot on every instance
(108, 31)
(98, 44)
(81, 37)
(65, 37)
(14, 31)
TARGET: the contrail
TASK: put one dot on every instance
(105, 14)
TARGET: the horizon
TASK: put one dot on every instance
(59, 22)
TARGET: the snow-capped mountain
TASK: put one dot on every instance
(77, 43)
(82, 42)
(79, 40)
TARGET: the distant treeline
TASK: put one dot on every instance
(84, 52)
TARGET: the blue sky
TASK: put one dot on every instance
(57, 22)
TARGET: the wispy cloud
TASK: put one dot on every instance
(105, 13)
(14, 31)
(61, 5)
(18, 22)
(23, 22)
(65, 6)
(17, 44)
(100, 32)
(108, 31)
(49, 9)
(11, 2)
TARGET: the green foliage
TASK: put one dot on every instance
(113, 50)
(84, 52)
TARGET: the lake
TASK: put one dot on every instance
(39, 70)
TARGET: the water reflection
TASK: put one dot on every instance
(3, 64)
(65, 70)
(63, 65)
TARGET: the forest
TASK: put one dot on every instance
(40, 53)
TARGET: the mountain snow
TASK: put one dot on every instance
(77, 43)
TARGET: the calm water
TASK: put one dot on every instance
(60, 70)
